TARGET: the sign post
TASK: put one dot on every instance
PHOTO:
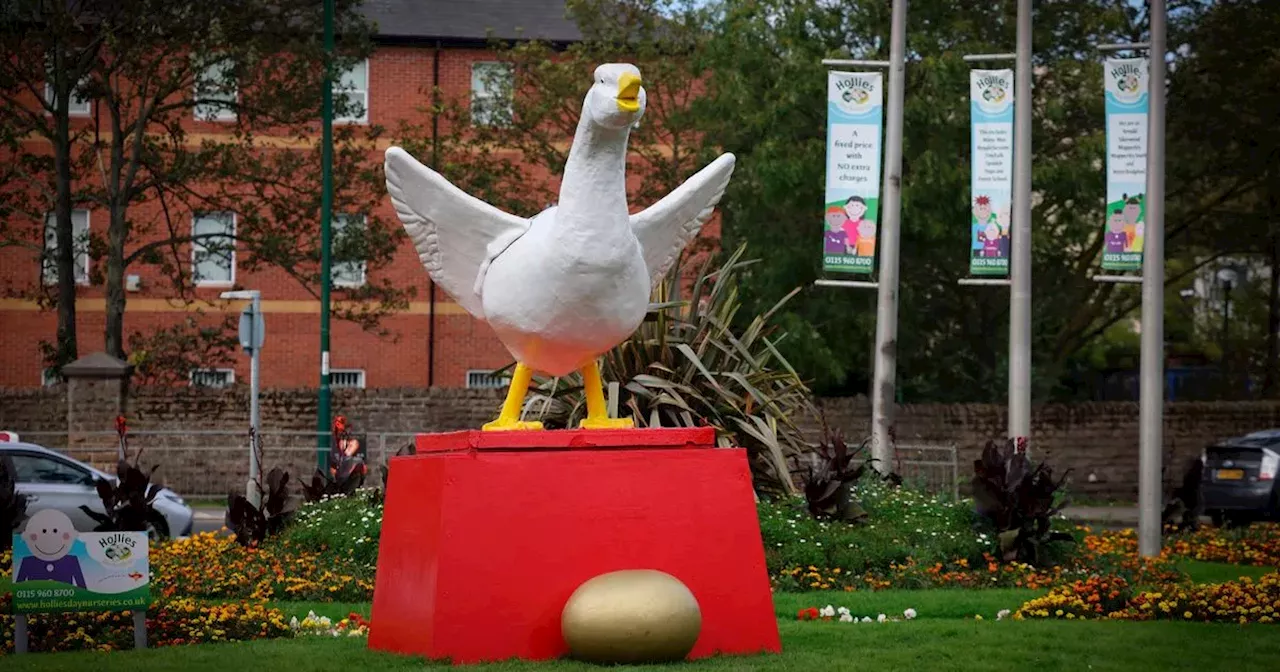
(252, 336)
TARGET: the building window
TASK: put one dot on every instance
(351, 95)
(49, 378)
(348, 250)
(213, 378)
(491, 84)
(80, 242)
(346, 378)
(77, 106)
(485, 380)
(216, 92)
(213, 250)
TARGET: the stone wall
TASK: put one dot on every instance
(198, 434)
(1097, 441)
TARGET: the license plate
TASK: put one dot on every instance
(1230, 474)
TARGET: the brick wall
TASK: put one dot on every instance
(1098, 441)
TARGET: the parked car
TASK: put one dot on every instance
(54, 481)
(1239, 483)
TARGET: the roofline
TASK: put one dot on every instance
(460, 42)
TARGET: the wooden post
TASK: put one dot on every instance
(20, 633)
(139, 629)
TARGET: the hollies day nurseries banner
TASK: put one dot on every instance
(1126, 214)
(991, 140)
(855, 103)
(57, 569)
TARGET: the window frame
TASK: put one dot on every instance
(223, 115)
(230, 373)
(361, 265)
(48, 266)
(337, 91)
(73, 110)
(197, 247)
(363, 378)
(480, 119)
(486, 373)
(88, 475)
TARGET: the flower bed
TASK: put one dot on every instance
(169, 623)
(213, 567)
(1243, 601)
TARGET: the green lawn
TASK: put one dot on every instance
(1219, 572)
(938, 644)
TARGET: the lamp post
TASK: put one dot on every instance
(326, 241)
(252, 336)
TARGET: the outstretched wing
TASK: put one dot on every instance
(456, 234)
(665, 227)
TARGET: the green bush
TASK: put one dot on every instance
(344, 528)
(901, 524)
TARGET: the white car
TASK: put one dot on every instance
(54, 481)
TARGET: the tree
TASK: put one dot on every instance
(146, 68)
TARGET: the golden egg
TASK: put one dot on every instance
(631, 616)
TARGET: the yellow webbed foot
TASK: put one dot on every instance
(607, 423)
(597, 413)
(501, 425)
(510, 420)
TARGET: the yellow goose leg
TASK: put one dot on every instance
(509, 419)
(597, 412)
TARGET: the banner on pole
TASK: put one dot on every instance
(1126, 82)
(991, 168)
(855, 117)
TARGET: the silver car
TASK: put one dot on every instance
(54, 481)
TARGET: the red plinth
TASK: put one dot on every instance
(486, 535)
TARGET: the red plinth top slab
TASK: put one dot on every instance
(565, 439)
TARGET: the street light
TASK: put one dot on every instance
(252, 334)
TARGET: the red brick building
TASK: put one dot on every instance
(432, 343)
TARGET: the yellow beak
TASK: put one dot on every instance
(629, 92)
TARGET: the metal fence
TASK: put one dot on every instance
(934, 468)
(213, 463)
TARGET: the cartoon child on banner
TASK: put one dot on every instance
(49, 535)
(1115, 239)
(983, 219)
(866, 238)
(854, 209)
(835, 240)
(1132, 210)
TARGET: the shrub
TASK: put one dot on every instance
(902, 524)
(340, 528)
(1019, 501)
(128, 502)
(253, 524)
(13, 504)
(690, 365)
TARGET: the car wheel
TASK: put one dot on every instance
(157, 528)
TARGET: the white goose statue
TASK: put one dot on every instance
(564, 287)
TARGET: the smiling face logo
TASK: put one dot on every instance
(854, 94)
(49, 534)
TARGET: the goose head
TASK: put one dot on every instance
(616, 99)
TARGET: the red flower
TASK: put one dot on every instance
(121, 427)
(340, 425)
